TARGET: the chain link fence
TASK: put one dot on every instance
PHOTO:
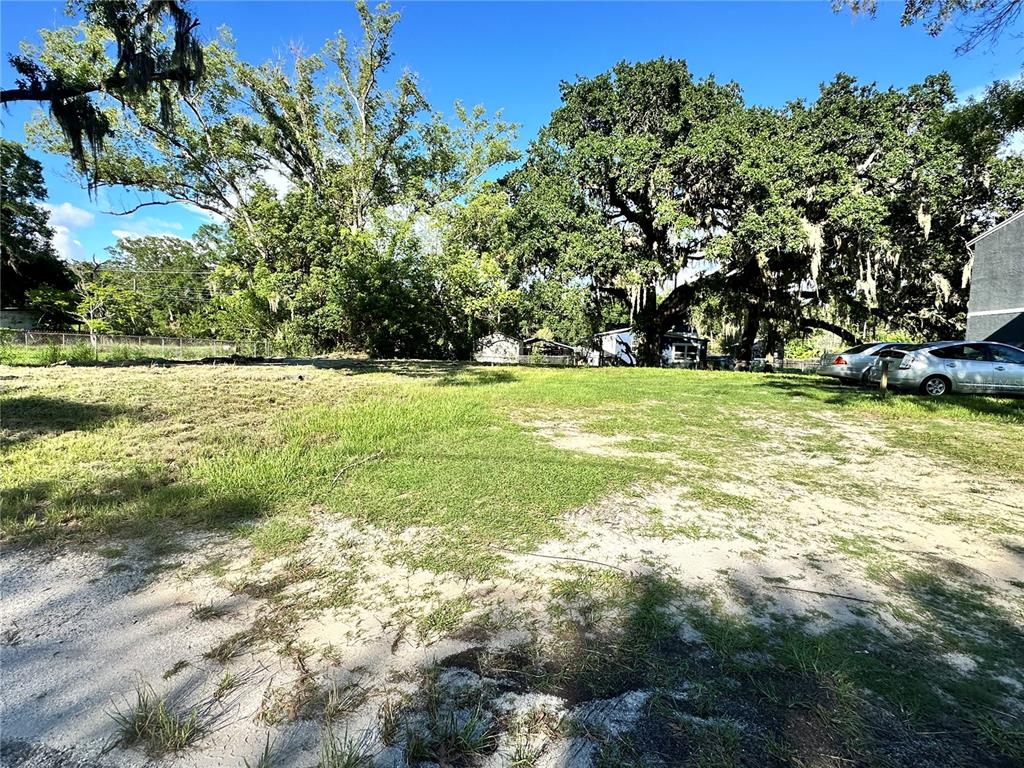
(53, 347)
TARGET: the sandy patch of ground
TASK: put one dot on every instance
(82, 630)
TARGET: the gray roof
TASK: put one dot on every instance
(998, 226)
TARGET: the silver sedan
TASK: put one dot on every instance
(937, 369)
(851, 366)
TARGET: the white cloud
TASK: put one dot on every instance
(207, 216)
(65, 219)
(978, 91)
(148, 226)
(67, 246)
(276, 180)
(67, 215)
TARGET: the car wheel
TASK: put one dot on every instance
(864, 380)
(935, 386)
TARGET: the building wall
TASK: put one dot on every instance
(996, 308)
(498, 348)
(18, 319)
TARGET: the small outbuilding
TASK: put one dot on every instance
(679, 348)
(18, 319)
(498, 348)
(995, 311)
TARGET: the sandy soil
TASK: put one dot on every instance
(81, 631)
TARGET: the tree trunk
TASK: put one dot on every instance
(647, 328)
(772, 341)
(750, 329)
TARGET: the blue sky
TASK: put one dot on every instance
(512, 56)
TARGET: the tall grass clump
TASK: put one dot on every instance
(154, 723)
(344, 752)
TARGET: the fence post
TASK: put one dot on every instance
(884, 384)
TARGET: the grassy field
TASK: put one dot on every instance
(893, 507)
(82, 352)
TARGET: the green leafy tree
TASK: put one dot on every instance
(854, 211)
(200, 148)
(474, 269)
(332, 125)
(168, 279)
(155, 56)
(28, 259)
(624, 188)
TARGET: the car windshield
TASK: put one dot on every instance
(899, 346)
(856, 350)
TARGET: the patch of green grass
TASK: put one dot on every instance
(341, 751)
(858, 546)
(279, 535)
(444, 452)
(452, 738)
(156, 724)
(1003, 734)
(444, 619)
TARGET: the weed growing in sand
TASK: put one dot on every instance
(444, 619)
(175, 669)
(156, 724)
(205, 612)
(523, 754)
(452, 737)
(344, 752)
(1005, 737)
(231, 646)
(389, 718)
(11, 637)
(266, 758)
(227, 683)
(342, 700)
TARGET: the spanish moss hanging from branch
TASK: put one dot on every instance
(144, 61)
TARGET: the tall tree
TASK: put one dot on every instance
(200, 148)
(628, 183)
(28, 259)
(334, 125)
(155, 54)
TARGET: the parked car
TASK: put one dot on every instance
(852, 365)
(953, 366)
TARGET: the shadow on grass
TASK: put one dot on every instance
(707, 688)
(138, 504)
(26, 418)
(445, 373)
(1005, 408)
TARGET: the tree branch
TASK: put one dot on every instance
(54, 92)
(810, 323)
